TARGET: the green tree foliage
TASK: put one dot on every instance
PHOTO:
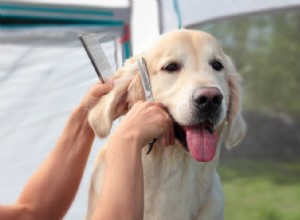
(266, 51)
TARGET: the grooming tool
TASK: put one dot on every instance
(145, 79)
(97, 56)
(147, 88)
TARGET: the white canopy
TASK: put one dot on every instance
(175, 13)
(44, 73)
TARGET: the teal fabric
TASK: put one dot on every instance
(13, 19)
(55, 10)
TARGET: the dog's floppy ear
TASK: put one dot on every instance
(117, 101)
(236, 126)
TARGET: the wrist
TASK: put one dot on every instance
(80, 111)
(129, 140)
(79, 116)
(124, 150)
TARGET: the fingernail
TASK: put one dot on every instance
(112, 84)
(122, 80)
(115, 82)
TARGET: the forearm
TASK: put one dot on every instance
(122, 195)
(51, 190)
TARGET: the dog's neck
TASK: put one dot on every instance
(172, 177)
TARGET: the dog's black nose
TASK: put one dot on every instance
(207, 98)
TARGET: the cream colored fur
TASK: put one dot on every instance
(176, 186)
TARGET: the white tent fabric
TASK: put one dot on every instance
(44, 71)
(42, 80)
(194, 12)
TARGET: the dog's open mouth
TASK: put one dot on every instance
(200, 140)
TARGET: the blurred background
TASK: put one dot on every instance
(261, 177)
(44, 72)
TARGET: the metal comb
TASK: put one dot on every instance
(97, 56)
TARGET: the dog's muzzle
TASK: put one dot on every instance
(199, 137)
(207, 102)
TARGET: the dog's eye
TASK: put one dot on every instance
(217, 65)
(171, 67)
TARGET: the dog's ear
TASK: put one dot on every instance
(236, 126)
(117, 101)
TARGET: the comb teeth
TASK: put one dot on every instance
(97, 56)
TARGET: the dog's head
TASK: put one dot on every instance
(193, 78)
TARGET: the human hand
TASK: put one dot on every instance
(144, 122)
(94, 94)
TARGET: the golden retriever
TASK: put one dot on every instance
(198, 84)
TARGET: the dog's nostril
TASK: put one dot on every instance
(202, 100)
(207, 98)
(217, 99)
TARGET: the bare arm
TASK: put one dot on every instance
(50, 191)
(122, 196)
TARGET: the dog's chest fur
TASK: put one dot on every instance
(175, 185)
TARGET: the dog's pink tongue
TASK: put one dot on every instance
(201, 143)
